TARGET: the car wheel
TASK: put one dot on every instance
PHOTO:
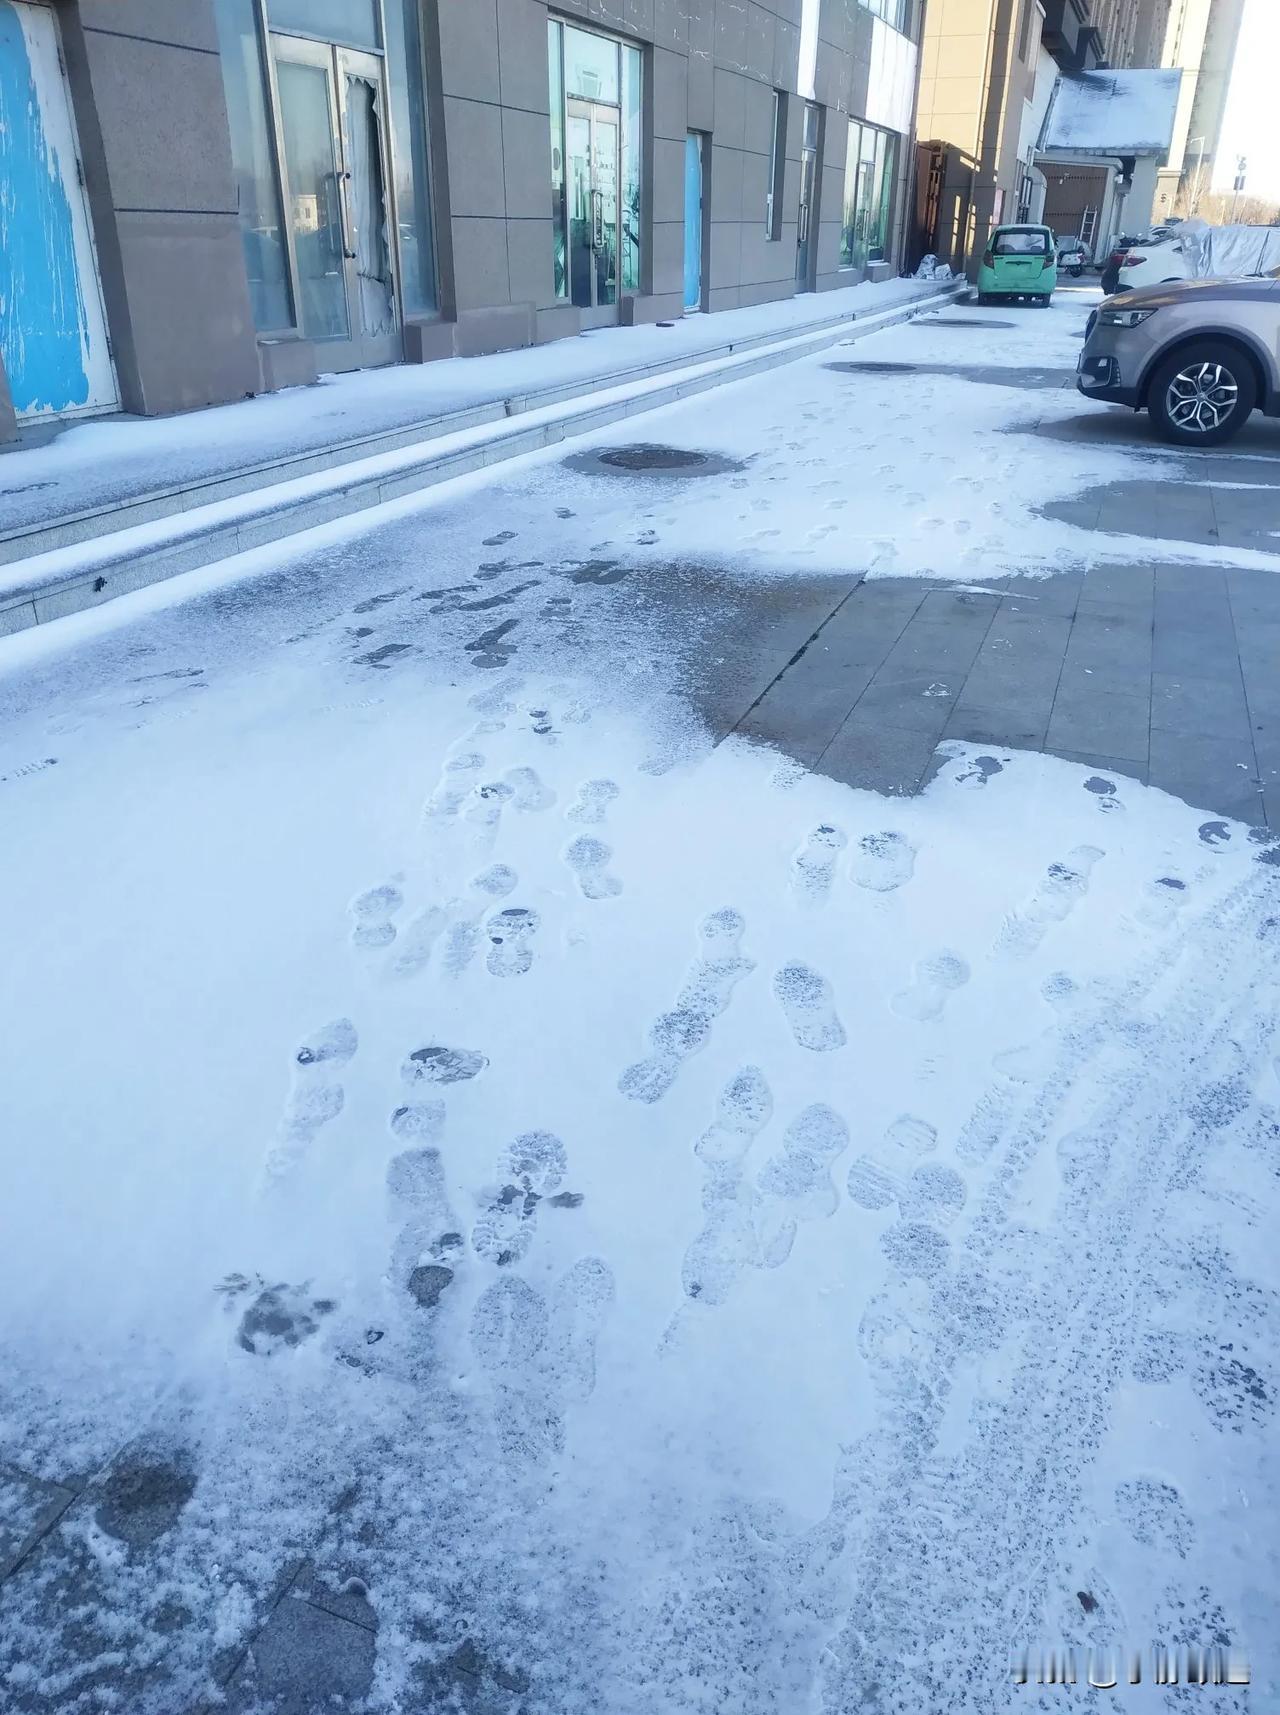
(1202, 395)
(984, 298)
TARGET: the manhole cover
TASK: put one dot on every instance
(965, 322)
(653, 458)
(874, 368)
(648, 460)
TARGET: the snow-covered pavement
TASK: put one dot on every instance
(509, 1205)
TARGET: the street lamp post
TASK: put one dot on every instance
(1194, 200)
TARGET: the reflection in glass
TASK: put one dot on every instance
(631, 175)
(605, 161)
(409, 147)
(369, 209)
(252, 160)
(559, 228)
(590, 66)
(314, 212)
(578, 155)
(354, 23)
(869, 181)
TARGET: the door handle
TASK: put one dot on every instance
(597, 220)
(804, 222)
(348, 225)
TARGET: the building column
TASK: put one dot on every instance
(146, 84)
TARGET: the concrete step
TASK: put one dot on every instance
(76, 563)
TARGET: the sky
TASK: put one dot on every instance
(1250, 128)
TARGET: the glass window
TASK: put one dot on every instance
(412, 166)
(870, 182)
(632, 157)
(1031, 242)
(253, 162)
(591, 66)
(310, 148)
(777, 167)
(559, 222)
(354, 22)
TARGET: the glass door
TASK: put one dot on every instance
(594, 158)
(333, 127)
(806, 237)
(693, 222)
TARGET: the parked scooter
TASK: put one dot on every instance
(1073, 258)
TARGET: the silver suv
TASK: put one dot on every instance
(1199, 355)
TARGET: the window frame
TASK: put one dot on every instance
(775, 190)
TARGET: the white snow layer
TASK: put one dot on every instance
(713, 1238)
(1113, 112)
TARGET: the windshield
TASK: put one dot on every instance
(1021, 244)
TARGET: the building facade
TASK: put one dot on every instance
(1200, 39)
(989, 72)
(228, 196)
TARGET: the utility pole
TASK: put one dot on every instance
(1194, 203)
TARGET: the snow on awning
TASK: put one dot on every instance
(1112, 113)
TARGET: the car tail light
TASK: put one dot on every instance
(988, 259)
(1132, 260)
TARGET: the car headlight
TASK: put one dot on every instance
(1124, 318)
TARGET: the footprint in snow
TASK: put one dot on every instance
(436, 1064)
(592, 802)
(1161, 901)
(456, 782)
(427, 1243)
(813, 865)
(413, 951)
(880, 1177)
(371, 914)
(727, 1243)
(706, 993)
(978, 771)
(1104, 791)
(936, 980)
(1215, 835)
(588, 858)
(808, 1005)
(277, 1318)
(510, 933)
(316, 1094)
(883, 861)
(531, 1169)
(417, 1122)
(796, 1184)
(529, 792)
(1155, 1515)
(496, 882)
(1062, 888)
(484, 811)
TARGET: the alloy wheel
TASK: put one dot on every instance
(1201, 398)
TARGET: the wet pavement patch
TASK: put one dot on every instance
(965, 322)
(983, 374)
(646, 459)
(143, 1495)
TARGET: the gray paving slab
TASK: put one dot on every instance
(918, 701)
(947, 647)
(1109, 587)
(1186, 647)
(303, 1661)
(1108, 723)
(801, 717)
(870, 753)
(1218, 774)
(1210, 708)
(1105, 764)
(1020, 725)
(28, 1508)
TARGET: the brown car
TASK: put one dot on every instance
(1200, 355)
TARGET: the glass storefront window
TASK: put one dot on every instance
(253, 162)
(559, 223)
(409, 146)
(591, 66)
(354, 23)
(632, 156)
(869, 181)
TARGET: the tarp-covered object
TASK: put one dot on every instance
(1231, 252)
(1113, 113)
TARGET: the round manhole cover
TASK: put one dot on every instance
(653, 458)
(874, 368)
